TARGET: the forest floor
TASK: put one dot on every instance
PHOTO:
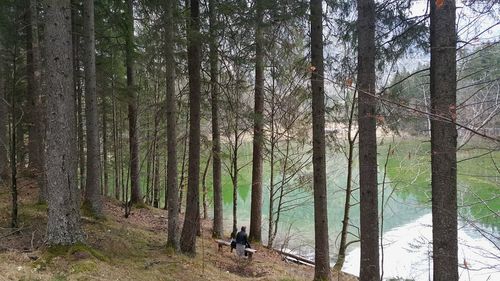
(119, 248)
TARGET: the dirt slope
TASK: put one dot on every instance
(121, 248)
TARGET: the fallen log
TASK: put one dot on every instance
(295, 258)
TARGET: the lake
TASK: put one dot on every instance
(407, 215)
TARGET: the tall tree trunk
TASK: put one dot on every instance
(16, 132)
(135, 196)
(150, 151)
(20, 149)
(204, 188)
(16, 97)
(192, 216)
(105, 187)
(3, 120)
(156, 183)
(172, 198)
(218, 228)
(75, 6)
(156, 164)
(272, 198)
(63, 225)
(13, 144)
(183, 165)
(80, 131)
(124, 177)
(369, 265)
(322, 255)
(35, 144)
(93, 183)
(39, 122)
(444, 140)
(234, 178)
(165, 180)
(258, 135)
(116, 155)
(20, 145)
(348, 191)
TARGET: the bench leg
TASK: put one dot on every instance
(220, 248)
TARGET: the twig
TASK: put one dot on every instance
(32, 238)
(12, 232)
(409, 108)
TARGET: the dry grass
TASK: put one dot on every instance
(119, 248)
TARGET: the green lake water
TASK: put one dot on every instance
(407, 190)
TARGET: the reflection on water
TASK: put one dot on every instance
(408, 250)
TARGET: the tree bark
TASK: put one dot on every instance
(172, 193)
(234, 178)
(322, 256)
(93, 183)
(258, 135)
(135, 196)
(105, 185)
(63, 226)
(13, 145)
(156, 164)
(3, 120)
(75, 6)
(369, 265)
(150, 151)
(116, 144)
(35, 144)
(183, 165)
(444, 140)
(204, 188)
(218, 227)
(79, 119)
(18, 148)
(272, 198)
(192, 215)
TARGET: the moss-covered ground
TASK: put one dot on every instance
(119, 248)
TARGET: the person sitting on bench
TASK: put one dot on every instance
(242, 242)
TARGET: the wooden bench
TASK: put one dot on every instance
(250, 252)
(222, 243)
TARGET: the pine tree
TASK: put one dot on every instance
(172, 198)
(93, 183)
(218, 229)
(369, 266)
(136, 197)
(35, 144)
(258, 137)
(192, 215)
(63, 226)
(3, 120)
(322, 256)
(443, 89)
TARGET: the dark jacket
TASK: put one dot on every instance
(242, 238)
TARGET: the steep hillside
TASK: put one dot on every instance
(121, 248)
